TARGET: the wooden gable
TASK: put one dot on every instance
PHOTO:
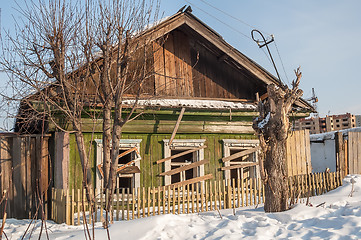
(186, 65)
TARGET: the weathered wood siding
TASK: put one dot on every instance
(24, 172)
(185, 66)
(151, 150)
(299, 153)
(354, 153)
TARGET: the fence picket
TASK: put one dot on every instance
(178, 200)
(158, 194)
(153, 200)
(190, 198)
(197, 197)
(173, 199)
(202, 197)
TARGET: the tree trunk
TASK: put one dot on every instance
(272, 127)
(276, 186)
(107, 125)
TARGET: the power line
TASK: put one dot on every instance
(234, 29)
(231, 16)
(239, 32)
(283, 67)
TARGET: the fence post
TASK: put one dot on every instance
(133, 203)
(158, 194)
(229, 205)
(178, 199)
(143, 202)
(153, 200)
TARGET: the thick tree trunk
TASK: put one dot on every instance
(276, 186)
(272, 127)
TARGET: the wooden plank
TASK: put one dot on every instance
(176, 126)
(127, 164)
(138, 202)
(159, 68)
(241, 165)
(169, 63)
(153, 200)
(241, 154)
(298, 153)
(7, 173)
(181, 154)
(294, 153)
(184, 168)
(143, 202)
(202, 197)
(178, 200)
(206, 192)
(133, 203)
(18, 174)
(129, 151)
(129, 170)
(148, 202)
(302, 147)
(192, 180)
(289, 156)
(351, 152)
(308, 152)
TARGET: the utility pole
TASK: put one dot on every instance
(263, 43)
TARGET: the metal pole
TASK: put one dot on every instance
(266, 44)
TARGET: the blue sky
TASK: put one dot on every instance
(320, 36)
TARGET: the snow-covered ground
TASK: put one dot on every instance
(338, 218)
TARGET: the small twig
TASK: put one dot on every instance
(321, 204)
(220, 215)
(352, 189)
(4, 216)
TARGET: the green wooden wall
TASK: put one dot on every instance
(151, 150)
(155, 125)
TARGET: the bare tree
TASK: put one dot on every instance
(272, 127)
(45, 65)
(116, 28)
(77, 56)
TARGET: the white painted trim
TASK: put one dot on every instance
(229, 144)
(123, 143)
(184, 144)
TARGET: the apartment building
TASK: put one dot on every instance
(326, 124)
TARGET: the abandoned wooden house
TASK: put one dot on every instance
(197, 116)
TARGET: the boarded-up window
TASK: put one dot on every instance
(183, 148)
(232, 147)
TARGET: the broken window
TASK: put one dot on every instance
(186, 161)
(128, 171)
(245, 166)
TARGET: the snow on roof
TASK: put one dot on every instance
(331, 135)
(193, 103)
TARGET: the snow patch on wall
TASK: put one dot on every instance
(193, 103)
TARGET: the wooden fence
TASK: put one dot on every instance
(298, 153)
(127, 204)
(24, 171)
(353, 152)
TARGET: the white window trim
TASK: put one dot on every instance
(178, 144)
(123, 143)
(229, 144)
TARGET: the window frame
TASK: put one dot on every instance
(183, 144)
(239, 144)
(123, 144)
